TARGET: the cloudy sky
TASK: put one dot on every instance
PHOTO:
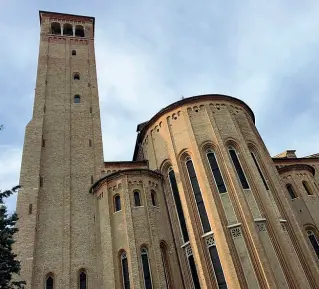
(150, 53)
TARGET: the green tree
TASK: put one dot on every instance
(8, 264)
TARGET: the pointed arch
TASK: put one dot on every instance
(124, 269)
(49, 281)
(82, 279)
(146, 268)
(166, 264)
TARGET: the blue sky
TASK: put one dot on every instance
(150, 53)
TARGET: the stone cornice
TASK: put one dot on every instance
(117, 174)
(143, 127)
(296, 167)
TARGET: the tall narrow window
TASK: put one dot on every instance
(198, 195)
(166, 265)
(238, 168)
(49, 283)
(219, 181)
(117, 203)
(30, 209)
(41, 182)
(192, 266)
(307, 188)
(73, 52)
(146, 269)
(291, 191)
(82, 280)
(216, 262)
(137, 199)
(153, 196)
(259, 171)
(178, 204)
(314, 241)
(125, 272)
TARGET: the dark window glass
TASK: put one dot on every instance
(178, 204)
(117, 203)
(49, 283)
(30, 209)
(82, 280)
(291, 191)
(314, 242)
(193, 272)
(79, 31)
(153, 196)
(307, 188)
(76, 76)
(56, 28)
(217, 267)
(238, 169)
(137, 199)
(41, 182)
(216, 172)
(67, 29)
(125, 272)
(73, 52)
(259, 171)
(146, 270)
(77, 99)
(198, 196)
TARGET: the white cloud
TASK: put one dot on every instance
(10, 162)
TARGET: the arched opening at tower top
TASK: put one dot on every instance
(79, 31)
(55, 28)
(67, 29)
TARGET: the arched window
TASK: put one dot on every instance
(55, 28)
(77, 99)
(76, 76)
(218, 178)
(153, 197)
(73, 52)
(259, 171)
(125, 272)
(192, 266)
(210, 242)
(67, 29)
(137, 199)
(178, 204)
(82, 280)
(307, 188)
(49, 282)
(146, 269)
(314, 241)
(79, 31)
(166, 265)
(291, 191)
(198, 195)
(238, 168)
(117, 203)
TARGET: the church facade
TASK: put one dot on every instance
(201, 205)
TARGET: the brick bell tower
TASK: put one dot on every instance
(57, 241)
